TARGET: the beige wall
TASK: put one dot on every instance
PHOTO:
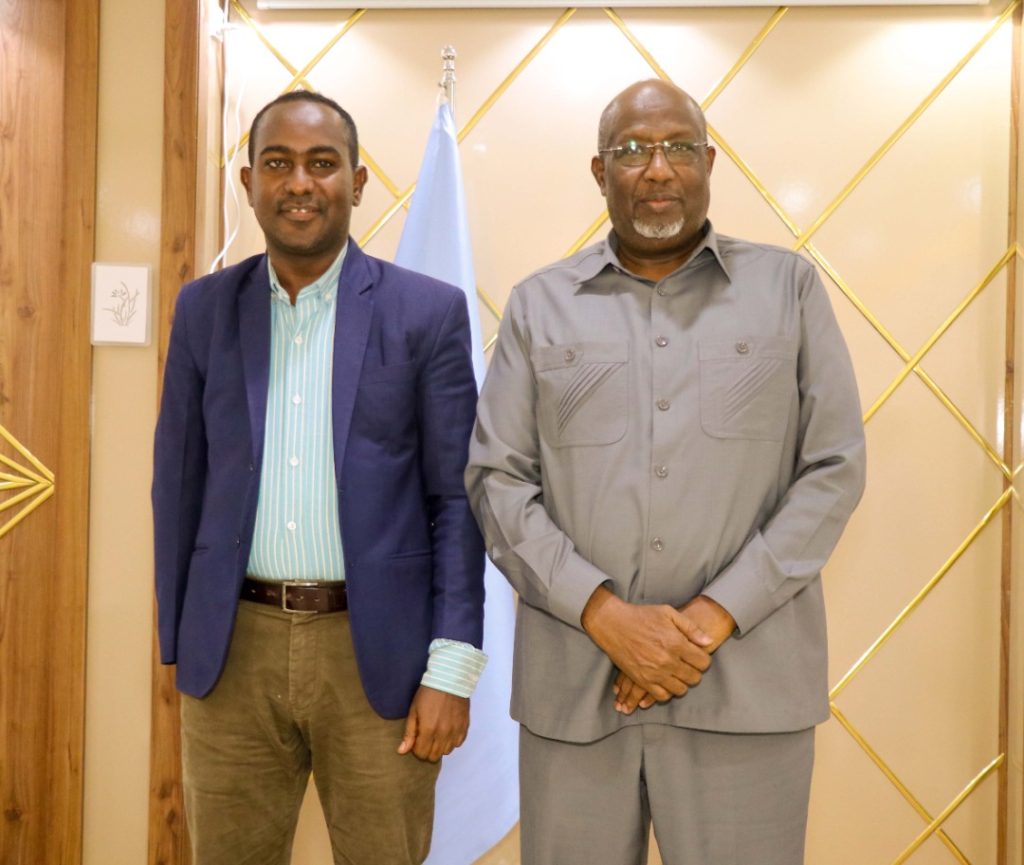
(124, 412)
(824, 92)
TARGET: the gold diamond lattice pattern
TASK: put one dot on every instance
(25, 483)
(910, 359)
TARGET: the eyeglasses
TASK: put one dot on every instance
(634, 154)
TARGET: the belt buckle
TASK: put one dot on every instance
(297, 584)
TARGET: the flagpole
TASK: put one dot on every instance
(477, 795)
(447, 82)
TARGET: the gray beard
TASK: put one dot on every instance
(658, 231)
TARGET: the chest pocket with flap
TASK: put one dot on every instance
(747, 387)
(582, 392)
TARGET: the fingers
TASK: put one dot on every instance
(439, 724)
(691, 630)
(626, 691)
(435, 744)
(409, 738)
(660, 649)
(628, 695)
(631, 695)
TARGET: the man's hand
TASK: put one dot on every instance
(708, 615)
(658, 647)
(436, 726)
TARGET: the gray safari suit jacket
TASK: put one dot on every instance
(698, 435)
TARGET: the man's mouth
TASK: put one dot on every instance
(298, 212)
(659, 204)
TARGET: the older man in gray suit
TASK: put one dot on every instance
(669, 444)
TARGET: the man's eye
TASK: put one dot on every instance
(323, 164)
(274, 163)
(631, 148)
(679, 148)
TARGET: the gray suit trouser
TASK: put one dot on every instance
(714, 798)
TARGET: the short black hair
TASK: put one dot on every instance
(308, 96)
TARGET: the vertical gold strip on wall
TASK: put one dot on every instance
(1007, 823)
(167, 836)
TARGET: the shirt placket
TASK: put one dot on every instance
(673, 409)
(296, 357)
(658, 348)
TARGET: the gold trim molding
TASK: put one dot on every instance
(35, 484)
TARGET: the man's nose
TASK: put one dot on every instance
(659, 168)
(299, 180)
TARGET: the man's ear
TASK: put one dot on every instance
(247, 182)
(597, 169)
(359, 178)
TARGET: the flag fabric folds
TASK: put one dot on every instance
(478, 789)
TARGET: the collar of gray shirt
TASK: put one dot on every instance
(604, 255)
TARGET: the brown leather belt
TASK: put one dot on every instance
(297, 596)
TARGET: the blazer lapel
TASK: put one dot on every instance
(351, 333)
(254, 335)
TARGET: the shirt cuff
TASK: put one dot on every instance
(453, 667)
(742, 589)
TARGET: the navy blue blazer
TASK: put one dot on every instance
(404, 400)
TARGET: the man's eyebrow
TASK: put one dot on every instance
(281, 148)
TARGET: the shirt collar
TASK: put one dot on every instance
(603, 256)
(328, 279)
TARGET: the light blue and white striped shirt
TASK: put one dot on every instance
(297, 534)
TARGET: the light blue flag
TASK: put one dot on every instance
(478, 791)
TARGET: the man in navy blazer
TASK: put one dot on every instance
(323, 664)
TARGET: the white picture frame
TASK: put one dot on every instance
(121, 304)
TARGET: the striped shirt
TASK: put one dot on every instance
(298, 533)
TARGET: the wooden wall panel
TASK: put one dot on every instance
(48, 64)
(168, 839)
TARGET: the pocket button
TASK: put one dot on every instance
(570, 355)
(742, 347)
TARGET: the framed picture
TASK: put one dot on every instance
(120, 304)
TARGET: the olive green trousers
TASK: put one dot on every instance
(290, 702)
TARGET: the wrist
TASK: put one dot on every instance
(596, 611)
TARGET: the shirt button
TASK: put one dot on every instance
(298, 339)
(742, 347)
(570, 355)
(292, 526)
(661, 471)
(296, 399)
(661, 342)
(657, 544)
(664, 404)
(660, 291)
(294, 461)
